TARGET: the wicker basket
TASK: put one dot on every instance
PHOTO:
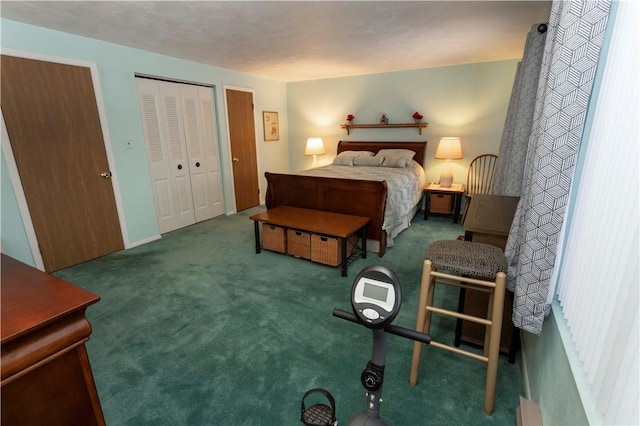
(440, 203)
(274, 238)
(327, 249)
(299, 243)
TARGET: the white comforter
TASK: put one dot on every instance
(404, 186)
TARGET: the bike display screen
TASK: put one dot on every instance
(376, 292)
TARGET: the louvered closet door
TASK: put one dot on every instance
(162, 156)
(158, 157)
(171, 109)
(201, 144)
(193, 138)
(211, 152)
(182, 143)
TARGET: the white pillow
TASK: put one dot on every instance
(359, 153)
(345, 158)
(397, 162)
(368, 161)
(396, 157)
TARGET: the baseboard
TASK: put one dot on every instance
(145, 241)
(528, 413)
(525, 371)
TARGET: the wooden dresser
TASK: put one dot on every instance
(46, 375)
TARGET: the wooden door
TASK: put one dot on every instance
(54, 128)
(243, 148)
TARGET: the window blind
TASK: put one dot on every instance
(598, 281)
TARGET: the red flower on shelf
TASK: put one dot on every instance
(350, 117)
(417, 116)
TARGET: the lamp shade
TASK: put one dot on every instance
(449, 149)
(315, 146)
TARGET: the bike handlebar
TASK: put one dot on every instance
(393, 329)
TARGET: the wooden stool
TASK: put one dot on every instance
(477, 267)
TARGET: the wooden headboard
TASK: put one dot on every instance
(418, 147)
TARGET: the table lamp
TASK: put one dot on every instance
(315, 147)
(448, 149)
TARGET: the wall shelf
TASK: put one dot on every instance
(418, 126)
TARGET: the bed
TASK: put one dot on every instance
(362, 194)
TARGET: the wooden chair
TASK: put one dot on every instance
(474, 267)
(479, 178)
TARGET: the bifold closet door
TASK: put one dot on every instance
(202, 150)
(182, 151)
(167, 155)
(212, 152)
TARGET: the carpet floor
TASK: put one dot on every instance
(198, 329)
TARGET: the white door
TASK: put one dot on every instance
(171, 112)
(158, 154)
(211, 152)
(202, 149)
(182, 143)
(195, 150)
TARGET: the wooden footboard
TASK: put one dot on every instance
(348, 196)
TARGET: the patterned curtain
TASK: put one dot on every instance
(575, 34)
(517, 128)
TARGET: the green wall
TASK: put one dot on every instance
(117, 66)
(469, 101)
(551, 380)
(14, 235)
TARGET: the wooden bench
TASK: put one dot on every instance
(335, 225)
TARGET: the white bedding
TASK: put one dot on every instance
(404, 190)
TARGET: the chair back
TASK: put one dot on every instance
(480, 174)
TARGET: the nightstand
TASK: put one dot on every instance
(443, 200)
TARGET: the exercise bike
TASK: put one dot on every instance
(376, 297)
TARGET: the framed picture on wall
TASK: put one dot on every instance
(270, 123)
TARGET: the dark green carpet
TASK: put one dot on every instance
(197, 329)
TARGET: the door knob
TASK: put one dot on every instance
(105, 175)
(235, 159)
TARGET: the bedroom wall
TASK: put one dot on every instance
(551, 380)
(469, 101)
(117, 66)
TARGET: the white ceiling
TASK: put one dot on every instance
(302, 40)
